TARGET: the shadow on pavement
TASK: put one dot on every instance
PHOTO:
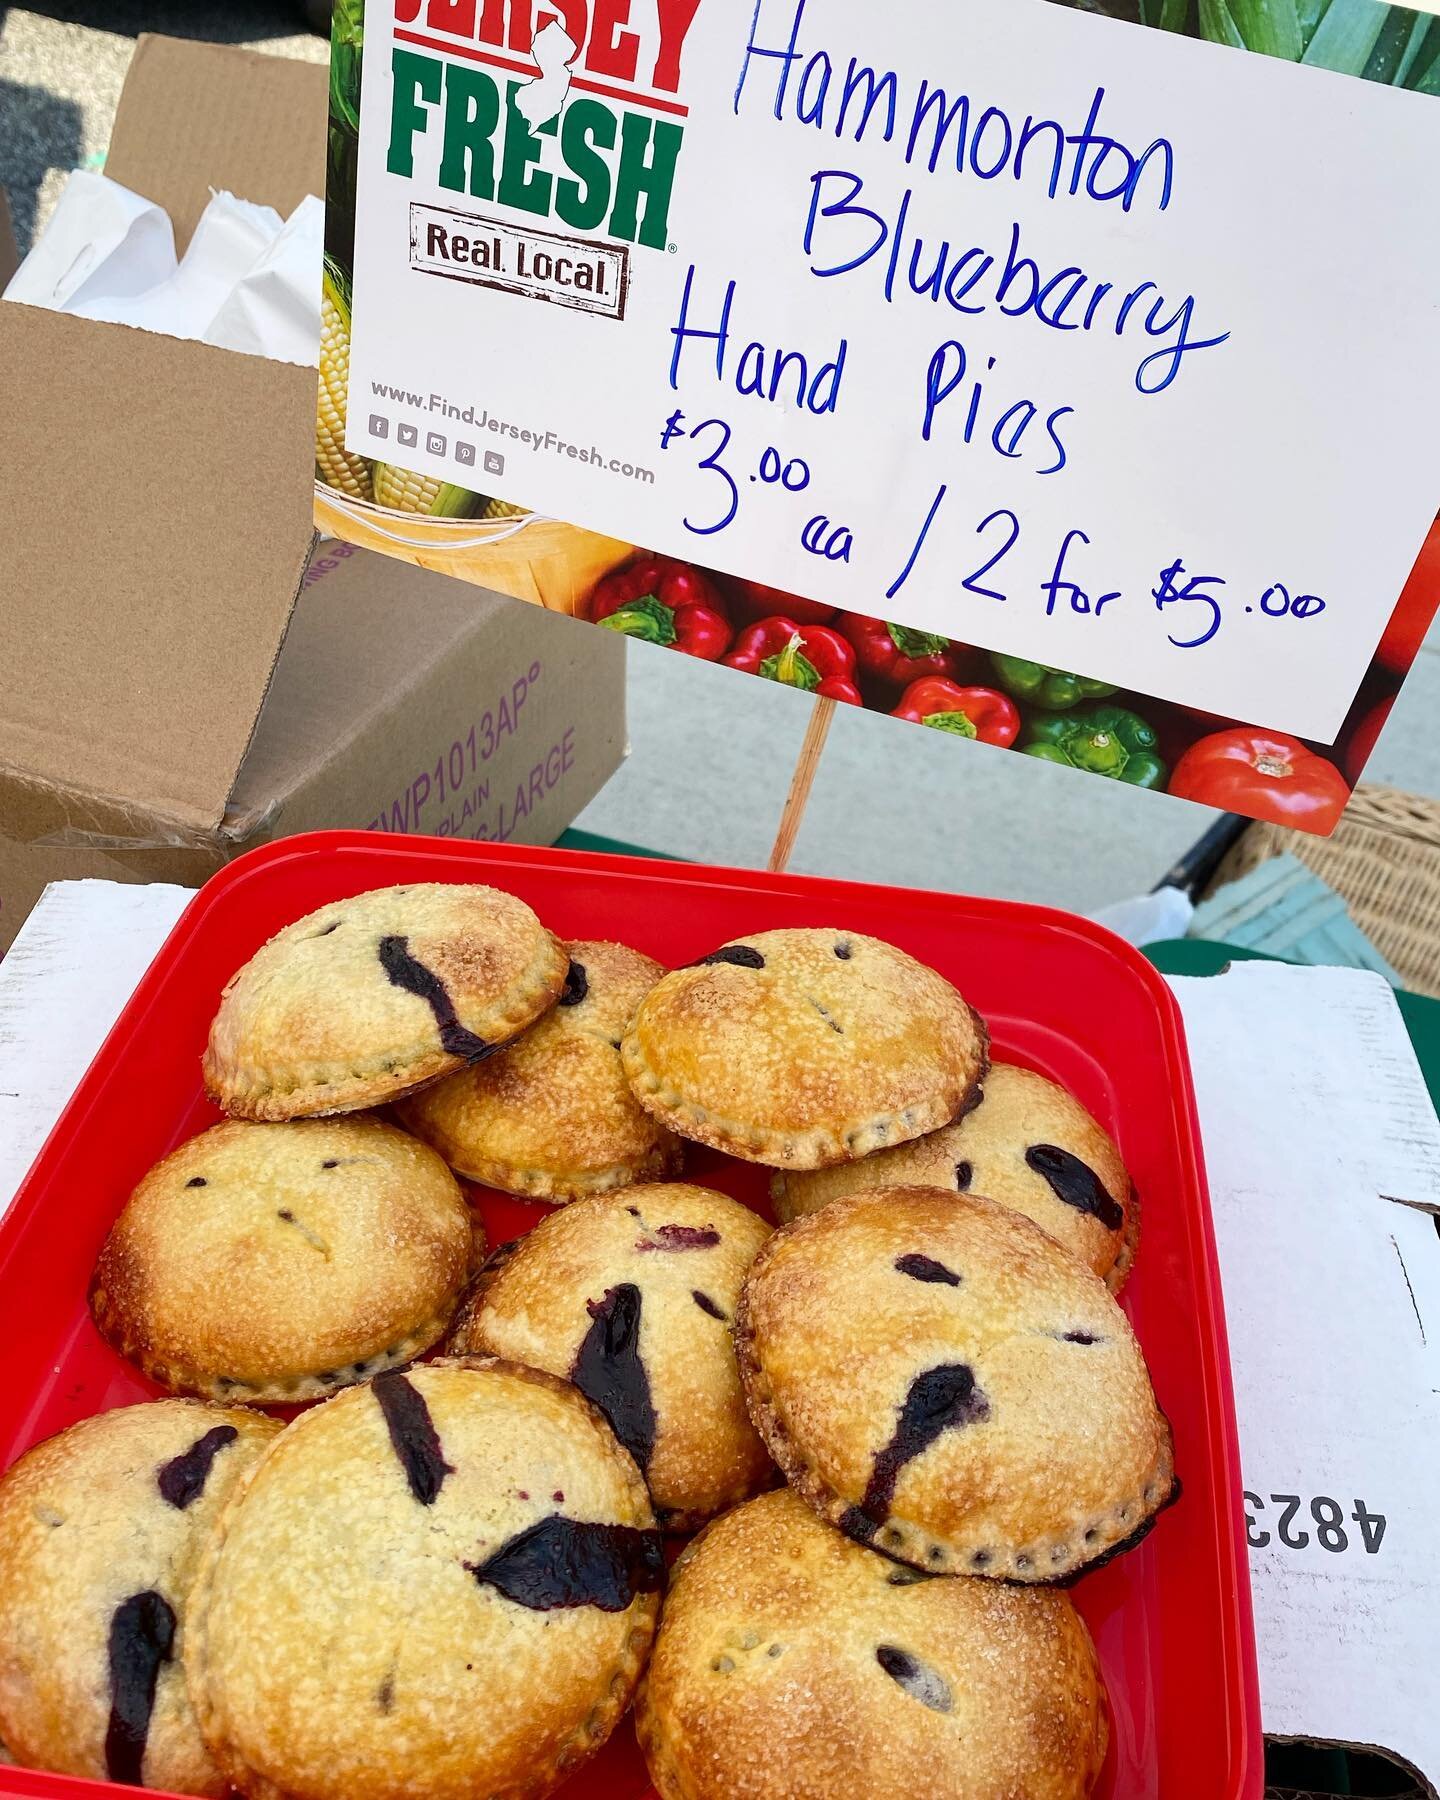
(42, 132)
(240, 21)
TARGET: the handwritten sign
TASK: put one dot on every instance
(1082, 342)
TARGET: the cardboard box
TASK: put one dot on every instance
(9, 251)
(155, 528)
(400, 701)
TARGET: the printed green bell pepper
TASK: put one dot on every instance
(1103, 740)
(1054, 689)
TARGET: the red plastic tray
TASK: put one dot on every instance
(1171, 1620)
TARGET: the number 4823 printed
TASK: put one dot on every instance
(1278, 1520)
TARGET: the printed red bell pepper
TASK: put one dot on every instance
(896, 653)
(973, 712)
(664, 602)
(1414, 610)
(1362, 740)
(811, 657)
(1265, 775)
(751, 602)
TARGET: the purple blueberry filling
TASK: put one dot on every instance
(941, 1399)
(608, 1369)
(706, 1304)
(577, 985)
(562, 1562)
(925, 1268)
(739, 956)
(415, 978)
(917, 1678)
(182, 1480)
(1076, 1184)
(964, 1175)
(413, 1435)
(142, 1640)
(680, 1237)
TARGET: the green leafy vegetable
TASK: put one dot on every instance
(1347, 34)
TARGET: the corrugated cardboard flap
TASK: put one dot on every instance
(193, 117)
(134, 667)
(158, 492)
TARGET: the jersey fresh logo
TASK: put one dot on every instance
(566, 110)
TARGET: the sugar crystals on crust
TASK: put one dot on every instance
(794, 1665)
(370, 997)
(800, 1048)
(937, 1377)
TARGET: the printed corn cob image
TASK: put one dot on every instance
(402, 490)
(338, 467)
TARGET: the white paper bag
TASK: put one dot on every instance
(228, 241)
(102, 241)
(248, 281)
(274, 309)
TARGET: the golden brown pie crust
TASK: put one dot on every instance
(340, 1639)
(369, 998)
(801, 1048)
(267, 1263)
(553, 1116)
(1018, 1110)
(882, 1311)
(794, 1665)
(85, 1527)
(538, 1303)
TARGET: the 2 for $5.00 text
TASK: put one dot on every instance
(1197, 596)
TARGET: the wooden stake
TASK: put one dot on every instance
(801, 783)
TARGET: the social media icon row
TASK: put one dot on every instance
(407, 436)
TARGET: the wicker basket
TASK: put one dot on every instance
(1274, 1793)
(1384, 859)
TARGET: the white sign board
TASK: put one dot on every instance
(1034, 329)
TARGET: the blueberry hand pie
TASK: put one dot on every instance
(802, 1048)
(794, 1665)
(265, 1263)
(553, 1116)
(631, 1296)
(368, 998)
(444, 1583)
(937, 1377)
(1029, 1145)
(101, 1530)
